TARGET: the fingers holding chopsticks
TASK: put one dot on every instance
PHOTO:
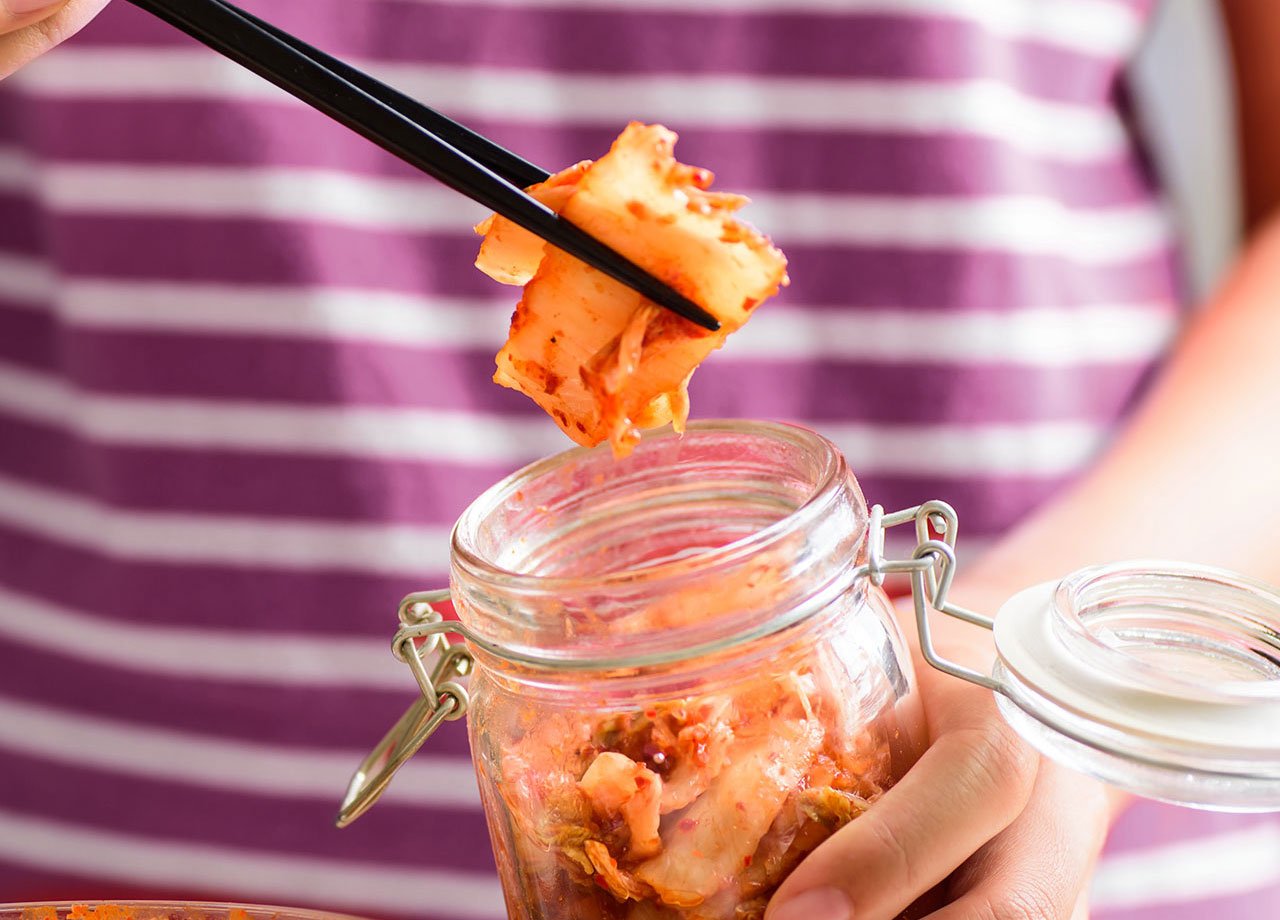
(28, 28)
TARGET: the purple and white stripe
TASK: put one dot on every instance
(245, 384)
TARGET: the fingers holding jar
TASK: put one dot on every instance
(982, 824)
(1040, 866)
(28, 28)
(971, 784)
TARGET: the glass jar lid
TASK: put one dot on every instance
(1160, 678)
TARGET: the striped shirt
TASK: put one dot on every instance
(245, 387)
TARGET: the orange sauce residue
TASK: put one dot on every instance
(109, 911)
(100, 912)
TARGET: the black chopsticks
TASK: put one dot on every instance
(455, 155)
(515, 169)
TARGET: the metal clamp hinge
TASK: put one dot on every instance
(443, 699)
(931, 568)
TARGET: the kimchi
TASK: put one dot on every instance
(694, 809)
(599, 358)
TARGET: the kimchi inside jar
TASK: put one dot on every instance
(684, 687)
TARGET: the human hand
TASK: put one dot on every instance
(28, 28)
(981, 825)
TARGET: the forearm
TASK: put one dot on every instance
(1195, 474)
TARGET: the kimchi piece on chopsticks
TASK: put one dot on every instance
(602, 360)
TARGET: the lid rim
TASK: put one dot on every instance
(1175, 784)
(1070, 597)
(1031, 702)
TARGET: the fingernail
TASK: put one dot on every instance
(825, 903)
(22, 7)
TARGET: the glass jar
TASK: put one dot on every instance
(683, 680)
(686, 677)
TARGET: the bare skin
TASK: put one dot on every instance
(998, 832)
(28, 28)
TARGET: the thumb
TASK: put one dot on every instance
(17, 14)
(28, 28)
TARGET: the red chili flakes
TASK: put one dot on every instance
(100, 912)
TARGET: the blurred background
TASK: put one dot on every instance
(1182, 89)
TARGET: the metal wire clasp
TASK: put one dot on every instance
(931, 567)
(443, 699)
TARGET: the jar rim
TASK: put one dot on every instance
(828, 485)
